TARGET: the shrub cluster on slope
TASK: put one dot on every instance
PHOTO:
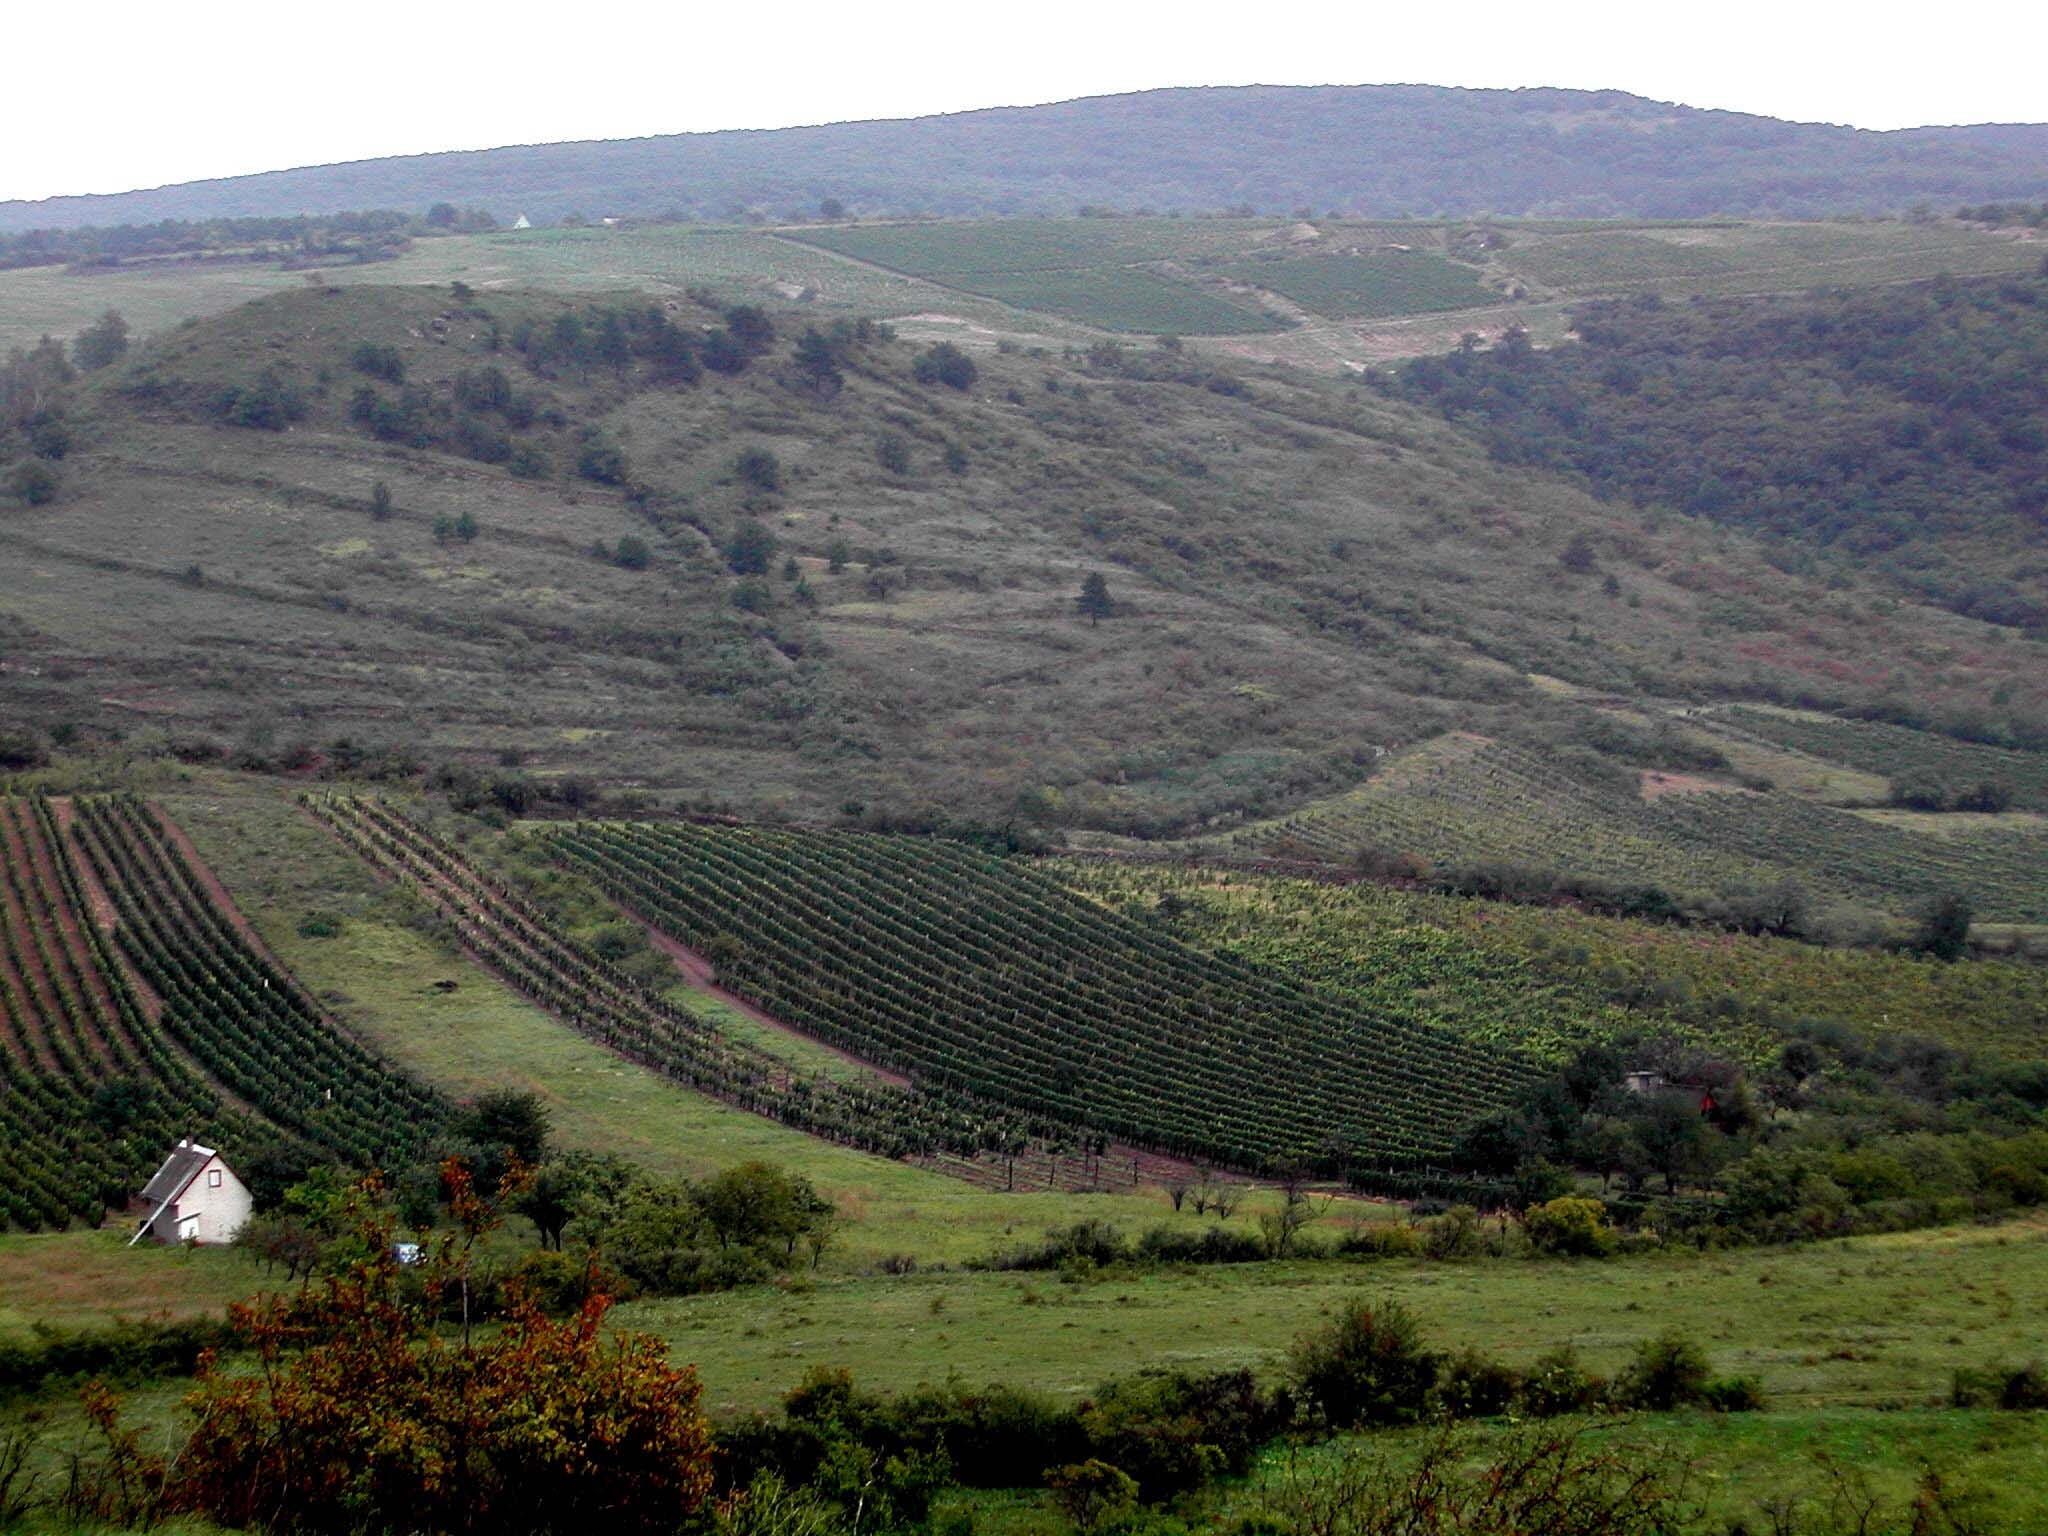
(1900, 425)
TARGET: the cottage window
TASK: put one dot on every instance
(213, 1178)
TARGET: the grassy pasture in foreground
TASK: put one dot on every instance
(81, 1279)
(1865, 1322)
(1737, 1464)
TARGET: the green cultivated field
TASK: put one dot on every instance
(1045, 277)
(380, 976)
(1685, 260)
(1369, 285)
(1083, 270)
(1544, 980)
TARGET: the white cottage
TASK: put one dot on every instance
(193, 1198)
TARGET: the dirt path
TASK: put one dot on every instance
(703, 977)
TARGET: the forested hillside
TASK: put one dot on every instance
(1381, 150)
(1902, 429)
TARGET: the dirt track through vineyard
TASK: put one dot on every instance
(703, 977)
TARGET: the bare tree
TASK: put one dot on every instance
(1297, 1209)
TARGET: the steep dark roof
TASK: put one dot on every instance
(179, 1169)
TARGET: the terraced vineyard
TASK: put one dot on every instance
(2004, 872)
(1463, 799)
(985, 976)
(1894, 750)
(518, 942)
(135, 1012)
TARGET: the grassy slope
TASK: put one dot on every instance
(1395, 583)
(81, 1279)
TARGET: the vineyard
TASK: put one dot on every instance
(979, 974)
(1839, 853)
(71, 1141)
(1370, 284)
(1077, 269)
(1548, 980)
(1895, 751)
(518, 942)
(134, 1012)
(1462, 799)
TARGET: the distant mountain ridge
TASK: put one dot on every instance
(1377, 150)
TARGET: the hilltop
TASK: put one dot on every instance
(1381, 150)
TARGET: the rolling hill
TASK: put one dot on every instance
(724, 558)
(1383, 150)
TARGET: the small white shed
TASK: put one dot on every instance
(193, 1198)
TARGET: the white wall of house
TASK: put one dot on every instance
(211, 1209)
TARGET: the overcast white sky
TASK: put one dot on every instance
(122, 94)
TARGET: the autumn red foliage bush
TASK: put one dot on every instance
(362, 1413)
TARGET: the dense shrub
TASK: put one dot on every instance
(944, 363)
(32, 483)
(1470, 1385)
(759, 468)
(1669, 1371)
(1174, 1432)
(378, 361)
(1368, 1367)
(1557, 1384)
(749, 548)
(1570, 1225)
(366, 1415)
(270, 404)
(1733, 1394)
(124, 1350)
(2002, 1386)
